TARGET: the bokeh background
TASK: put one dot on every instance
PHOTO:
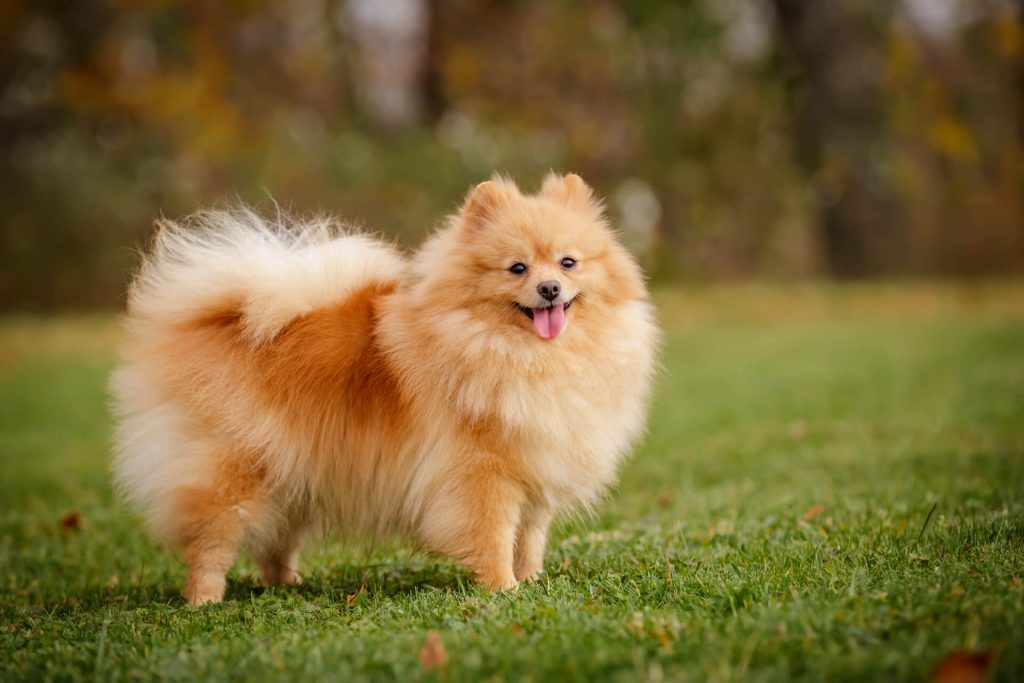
(733, 139)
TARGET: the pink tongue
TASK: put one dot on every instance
(549, 322)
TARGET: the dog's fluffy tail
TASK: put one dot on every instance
(211, 286)
(264, 273)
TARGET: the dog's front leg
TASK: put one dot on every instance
(475, 521)
(531, 538)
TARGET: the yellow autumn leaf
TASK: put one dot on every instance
(953, 138)
(1010, 37)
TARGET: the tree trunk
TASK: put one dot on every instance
(837, 115)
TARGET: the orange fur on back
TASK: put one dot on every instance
(279, 376)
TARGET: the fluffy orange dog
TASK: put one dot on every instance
(278, 377)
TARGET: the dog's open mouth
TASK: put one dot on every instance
(548, 321)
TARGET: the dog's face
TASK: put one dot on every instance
(538, 263)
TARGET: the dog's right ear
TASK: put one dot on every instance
(572, 191)
(485, 200)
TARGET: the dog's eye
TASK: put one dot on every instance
(568, 263)
(517, 268)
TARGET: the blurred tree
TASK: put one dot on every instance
(838, 127)
(732, 138)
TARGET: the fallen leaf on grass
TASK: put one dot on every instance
(72, 521)
(812, 512)
(963, 667)
(636, 625)
(662, 636)
(432, 654)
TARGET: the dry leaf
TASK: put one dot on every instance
(433, 655)
(963, 667)
(72, 521)
(813, 512)
(662, 636)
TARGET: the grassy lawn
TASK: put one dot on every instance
(832, 487)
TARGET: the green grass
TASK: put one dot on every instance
(899, 410)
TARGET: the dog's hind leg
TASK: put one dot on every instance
(214, 519)
(279, 558)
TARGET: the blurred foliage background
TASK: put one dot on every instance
(733, 139)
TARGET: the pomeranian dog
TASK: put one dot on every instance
(276, 378)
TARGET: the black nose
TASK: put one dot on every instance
(549, 289)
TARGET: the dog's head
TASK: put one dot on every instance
(534, 262)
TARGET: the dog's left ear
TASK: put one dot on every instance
(484, 201)
(572, 191)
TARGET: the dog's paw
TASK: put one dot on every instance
(278, 577)
(204, 590)
(198, 598)
(498, 584)
(290, 578)
(531, 576)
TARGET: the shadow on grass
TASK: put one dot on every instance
(337, 585)
(340, 585)
(383, 580)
